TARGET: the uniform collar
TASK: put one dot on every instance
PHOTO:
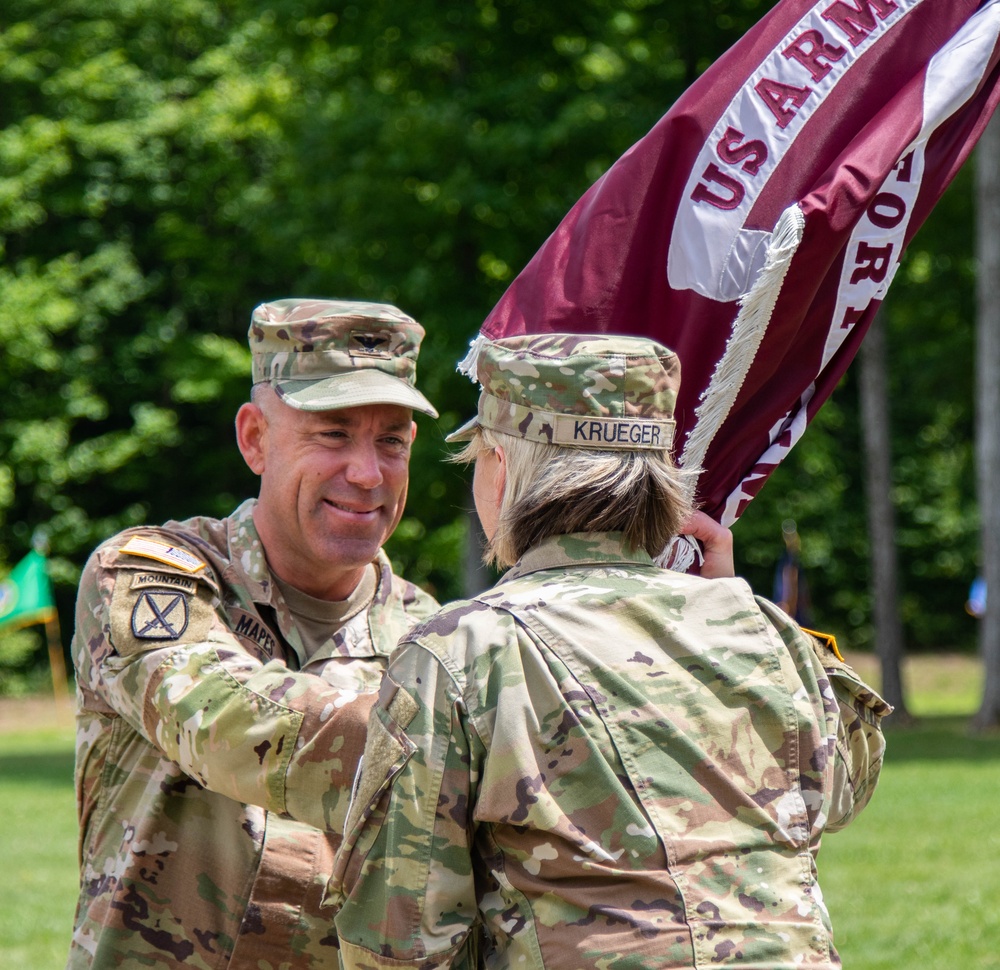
(246, 551)
(578, 549)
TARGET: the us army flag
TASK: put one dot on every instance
(757, 227)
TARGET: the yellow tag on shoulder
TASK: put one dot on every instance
(162, 552)
(828, 640)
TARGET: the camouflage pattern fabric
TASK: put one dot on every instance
(212, 775)
(606, 765)
(586, 391)
(328, 354)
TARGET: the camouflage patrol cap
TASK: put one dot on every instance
(580, 390)
(322, 355)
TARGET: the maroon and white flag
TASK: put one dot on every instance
(756, 229)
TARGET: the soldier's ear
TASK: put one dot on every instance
(251, 432)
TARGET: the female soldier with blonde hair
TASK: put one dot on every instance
(599, 763)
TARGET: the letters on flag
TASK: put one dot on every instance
(756, 229)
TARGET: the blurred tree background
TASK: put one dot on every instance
(165, 166)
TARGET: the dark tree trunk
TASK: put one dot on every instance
(988, 410)
(875, 420)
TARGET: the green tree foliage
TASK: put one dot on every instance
(166, 166)
(133, 138)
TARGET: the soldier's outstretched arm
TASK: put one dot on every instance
(255, 731)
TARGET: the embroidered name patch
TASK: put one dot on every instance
(616, 433)
(250, 627)
(160, 614)
(162, 552)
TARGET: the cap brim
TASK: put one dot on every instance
(369, 386)
(464, 433)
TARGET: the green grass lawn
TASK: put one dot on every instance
(914, 882)
(38, 875)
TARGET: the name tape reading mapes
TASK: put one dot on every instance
(614, 433)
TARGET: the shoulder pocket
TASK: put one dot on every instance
(860, 743)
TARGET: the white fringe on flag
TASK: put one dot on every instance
(467, 365)
(681, 554)
(749, 328)
(755, 309)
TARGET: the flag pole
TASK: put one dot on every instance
(57, 662)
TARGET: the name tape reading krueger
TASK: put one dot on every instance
(612, 432)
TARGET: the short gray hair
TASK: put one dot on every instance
(552, 490)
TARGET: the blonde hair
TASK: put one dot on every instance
(552, 490)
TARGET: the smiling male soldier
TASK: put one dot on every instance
(224, 667)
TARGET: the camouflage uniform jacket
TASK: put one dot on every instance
(207, 765)
(603, 765)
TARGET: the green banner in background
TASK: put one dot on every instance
(26, 594)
